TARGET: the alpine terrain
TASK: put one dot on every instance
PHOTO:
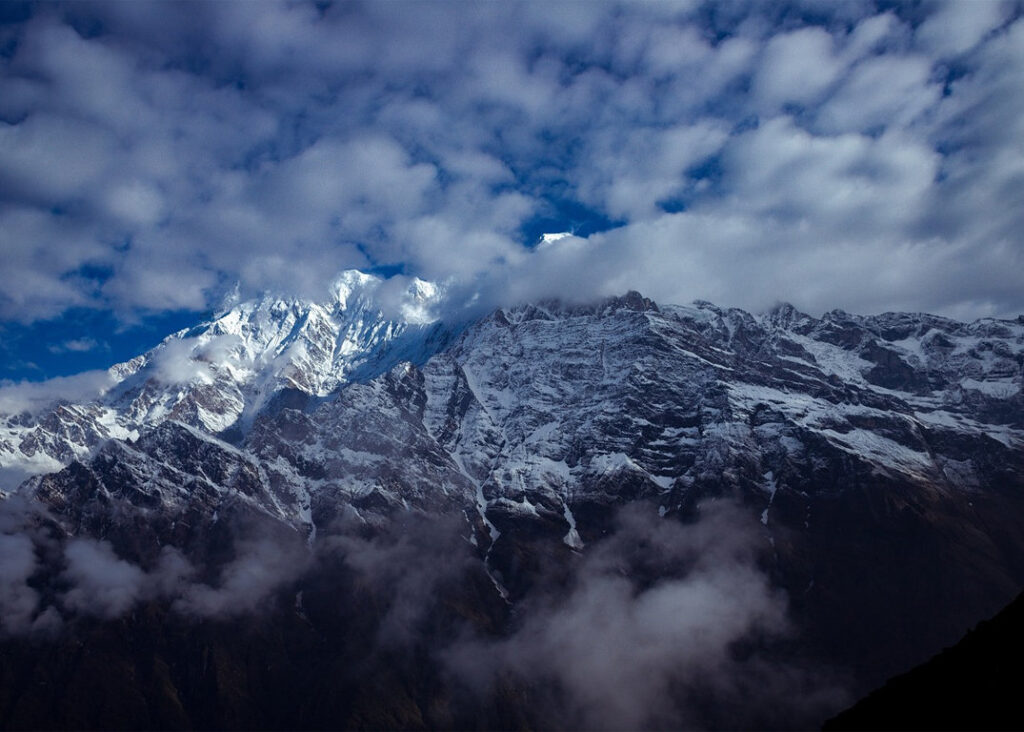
(616, 514)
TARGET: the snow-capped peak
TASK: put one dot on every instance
(351, 284)
(547, 240)
(420, 302)
(404, 299)
(220, 374)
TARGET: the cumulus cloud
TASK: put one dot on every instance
(630, 174)
(888, 91)
(177, 151)
(956, 27)
(797, 67)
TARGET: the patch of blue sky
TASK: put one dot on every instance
(565, 215)
(81, 340)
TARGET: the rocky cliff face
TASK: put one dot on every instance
(878, 462)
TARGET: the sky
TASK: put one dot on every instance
(867, 156)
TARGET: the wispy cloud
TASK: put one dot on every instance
(75, 345)
(33, 396)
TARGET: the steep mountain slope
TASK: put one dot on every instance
(878, 463)
(552, 417)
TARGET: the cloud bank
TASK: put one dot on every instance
(836, 155)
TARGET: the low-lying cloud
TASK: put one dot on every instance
(659, 624)
(29, 396)
(101, 583)
(645, 634)
(45, 581)
(261, 566)
(18, 601)
(410, 563)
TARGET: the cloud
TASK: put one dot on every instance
(644, 634)
(105, 585)
(659, 624)
(22, 553)
(187, 360)
(183, 151)
(888, 91)
(260, 567)
(175, 362)
(629, 175)
(42, 255)
(89, 578)
(956, 27)
(35, 396)
(18, 601)
(797, 67)
(410, 563)
(102, 584)
(47, 158)
(75, 345)
(843, 186)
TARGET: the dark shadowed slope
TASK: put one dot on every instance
(976, 684)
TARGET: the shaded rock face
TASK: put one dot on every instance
(877, 465)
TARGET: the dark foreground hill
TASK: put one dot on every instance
(972, 685)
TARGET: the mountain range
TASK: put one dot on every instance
(360, 513)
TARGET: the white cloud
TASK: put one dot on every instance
(102, 583)
(957, 26)
(628, 172)
(187, 360)
(848, 185)
(275, 145)
(52, 158)
(884, 91)
(870, 35)
(797, 67)
(75, 345)
(136, 203)
(34, 396)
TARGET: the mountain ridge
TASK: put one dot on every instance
(234, 365)
(877, 463)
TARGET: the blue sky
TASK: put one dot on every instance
(856, 155)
